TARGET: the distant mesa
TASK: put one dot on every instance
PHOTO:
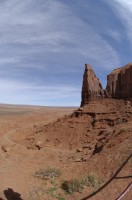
(119, 85)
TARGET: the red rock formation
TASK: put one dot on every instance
(119, 82)
(91, 88)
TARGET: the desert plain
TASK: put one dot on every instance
(22, 154)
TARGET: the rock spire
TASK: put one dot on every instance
(91, 87)
(119, 85)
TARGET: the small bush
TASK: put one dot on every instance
(93, 180)
(85, 181)
(59, 197)
(121, 130)
(72, 186)
(76, 185)
(49, 173)
(51, 191)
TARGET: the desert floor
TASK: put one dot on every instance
(18, 163)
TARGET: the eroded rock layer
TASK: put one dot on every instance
(119, 82)
(119, 85)
(101, 127)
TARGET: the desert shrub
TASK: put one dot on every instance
(60, 197)
(77, 185)
(51, 191)
(93, 181)
(49, 173)
(72, 186)
(121, 130)
(85, 181)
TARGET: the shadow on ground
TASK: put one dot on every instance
(11, 195)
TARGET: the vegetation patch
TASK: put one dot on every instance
(51, 184)
(49, 173)
(57, 189)
(72, 186)
(77, 185)
(122, 130)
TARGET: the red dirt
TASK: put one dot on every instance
(95, 140)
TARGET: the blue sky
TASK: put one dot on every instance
(44, 45)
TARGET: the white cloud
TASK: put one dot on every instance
(50, 26)
(123, 9)
(17, 92)
(9, 60)
(47, 35)
(116, 35)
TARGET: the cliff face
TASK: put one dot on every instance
(91, 88)
(119, 83)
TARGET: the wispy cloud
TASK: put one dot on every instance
(123, 9)
(43, 42)
(24, 93)
(33, 27)
(116, 35)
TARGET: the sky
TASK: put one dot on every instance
(44, 45)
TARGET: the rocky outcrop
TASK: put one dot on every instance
(119, 83)
(91, 88)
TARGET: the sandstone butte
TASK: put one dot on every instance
(119, 85)
(119, 82)
(99, 119)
